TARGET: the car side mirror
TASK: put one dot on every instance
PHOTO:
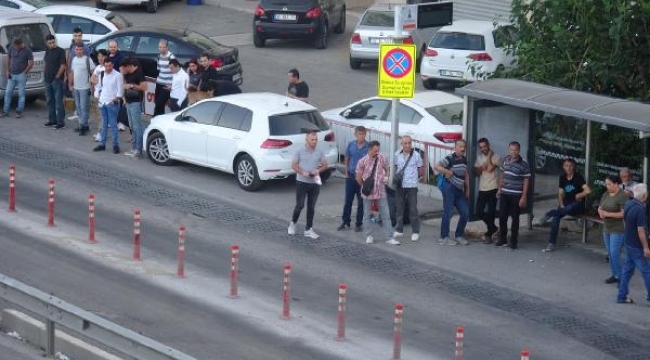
(182, 118)
(346, 113)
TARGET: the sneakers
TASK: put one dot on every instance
(415, 237)
(73, 117)
(461, 240)
(292, 228)
(3, 114)
(19, 114)
(358, 228)
(131, 153)
(398, 234)
(310, 233)
(49, 123)
(541, 221)
(83, 130)
(447, 241)
(98, 137)
(393, 242)
(549, 248)
(116, 149)
(500, 243)
(99, 148)
(343, 226)
(369, 239)
(611, 280)
(58, 126)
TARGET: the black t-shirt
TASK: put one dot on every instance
(225, 87)
(299, 90)
(54, 58)
(208, 76)
(571, 187)
(135, 78)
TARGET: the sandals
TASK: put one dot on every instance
(626, 301)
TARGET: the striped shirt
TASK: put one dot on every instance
(458, 165)
(514, 172)
(164, 74)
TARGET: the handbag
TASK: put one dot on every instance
(369, 182)
(398, 178)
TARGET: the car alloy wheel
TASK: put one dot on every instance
(247, 176)
(158, 151)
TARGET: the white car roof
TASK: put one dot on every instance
(73, 10)
(427, 99)
(14, 14)
(266, 103)
(472, 26)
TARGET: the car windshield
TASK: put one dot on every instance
(37, 3)
(378, 18)
(458, 41)
(296, 123)
(33, 35)
(118, 20)
(447, 114)
(201, 41)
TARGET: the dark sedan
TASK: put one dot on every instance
(142, 43)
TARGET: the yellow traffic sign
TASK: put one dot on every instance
(396, 78)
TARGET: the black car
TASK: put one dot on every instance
(302, 19)
(141, 43)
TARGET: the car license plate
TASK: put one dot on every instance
(451, 73)
(377, 41)
(34, 76)
(285, 17)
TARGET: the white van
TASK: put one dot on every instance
(32, 29)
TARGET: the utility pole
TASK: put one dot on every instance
(394, 127)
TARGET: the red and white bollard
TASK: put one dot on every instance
(136, 234)
(397, 329)
(340, 333)
(460, 340)
(12, 188)
(525, 354)
(234, 270)
(91, 219)
(50, 204)
(181, 252)
(286, 294)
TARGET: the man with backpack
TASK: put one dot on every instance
(79, 83)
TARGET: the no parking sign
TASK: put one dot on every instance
(396, 71)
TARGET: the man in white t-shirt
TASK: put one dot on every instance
(81, 68)
(178, 88)
(98, 73)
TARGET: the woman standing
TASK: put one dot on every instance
(194, 72)
(611, 211)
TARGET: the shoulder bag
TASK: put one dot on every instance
(398, 178)
(369, 183)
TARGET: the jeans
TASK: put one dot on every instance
(162, 96)
(633, 259)
(384, 212)
(310, 191)
(573, 209)
(614, 244)
(352, 190)
(509, 207)
(452, 197)
(82, 101)
(488, 198)
(409, 195)
(20, 81)
(55, 106)
(134, 113)
(109, 118)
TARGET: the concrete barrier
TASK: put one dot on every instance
(33, 331)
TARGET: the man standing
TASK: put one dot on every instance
(637, 251)
(297, 89)
(627, 184)
(77, 39)
(178, 88)
(408, 162)
(455, 193)
(374, 166)
(209, 75)
(356, 149)
(53, 76)
(115, 54)
(308, 163)
(21, 60)
(110, 92)
(79, 84)
(514, 183)
(97, 76)
(164, 79)
(487, 162)
(134, 88)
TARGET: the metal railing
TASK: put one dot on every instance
(431, 153)
(57, 311)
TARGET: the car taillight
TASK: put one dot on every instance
(216, 63)
(448, 137)
(275, 144)
(259, 11)
(329, 137)
(480, 57)
(431, 53)
(356, 39)
(314, 13)
(408, 40)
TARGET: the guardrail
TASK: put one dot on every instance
(431, 153)
(57, 311)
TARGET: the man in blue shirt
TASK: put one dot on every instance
(637, 252)
(356, 149)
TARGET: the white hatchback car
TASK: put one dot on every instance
(467, 50)
(95, 23)
(25, 5)
(251, 135)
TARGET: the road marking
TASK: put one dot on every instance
(234, 39)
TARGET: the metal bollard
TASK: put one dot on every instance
(525, 354)
(340, 334)
(460, 340)
(91, 219)
(181, 252)
(12, 188)
(136, 234)
(397, 329)
(286, 315)
(50, 204)
(234, 270)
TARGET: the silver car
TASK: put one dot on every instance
(377, 26)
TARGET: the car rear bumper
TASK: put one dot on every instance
(277, 167)
(269, 30)
(361, 53)
(234, 71)
(430, 70)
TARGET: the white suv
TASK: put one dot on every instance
(466, 51)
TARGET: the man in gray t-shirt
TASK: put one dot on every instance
(21, 60)
(308, 163)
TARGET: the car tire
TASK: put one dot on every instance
(246, 173)
(100, 4)
(355, 64)
(152, 6)
(158, 151)
(430, 84)
(340, 27)
(418, 60)
(258, 40)
(321, 41)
